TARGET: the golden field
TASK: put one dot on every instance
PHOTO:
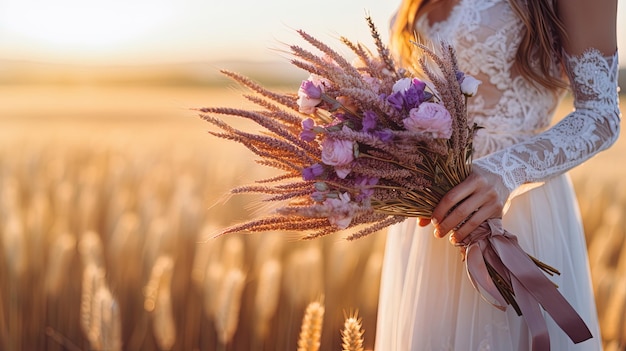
(109, 196)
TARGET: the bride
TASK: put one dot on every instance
(525, 52)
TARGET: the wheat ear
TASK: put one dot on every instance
(159, 301)
(107, 327)
(311, 330)
(13, 242)
(352, 334)
(204, 252)
(61, 254)
(614, 320)
(212, 281)
(93, 279)
(267, 295)
(227, 314)
(90, 249)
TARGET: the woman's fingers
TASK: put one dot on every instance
(460, 215)
(472, 222)
(467, 206)
(424, 222)
(456, 205)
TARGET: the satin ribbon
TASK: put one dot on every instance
(491, 244)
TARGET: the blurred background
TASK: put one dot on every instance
(110, 185)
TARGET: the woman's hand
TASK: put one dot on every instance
(479, 197)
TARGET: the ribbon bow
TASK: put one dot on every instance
(504, 274)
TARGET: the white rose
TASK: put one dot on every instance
(402, 85)
(469, 86)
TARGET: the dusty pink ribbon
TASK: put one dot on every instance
(491, 244)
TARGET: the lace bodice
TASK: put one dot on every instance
(515, 141)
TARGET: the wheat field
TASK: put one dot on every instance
(109, 197)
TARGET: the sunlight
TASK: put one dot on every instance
(83, 26)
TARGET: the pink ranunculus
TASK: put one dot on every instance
(341, 210)
(337, 152)
(430, 117)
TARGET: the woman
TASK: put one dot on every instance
(524, 52)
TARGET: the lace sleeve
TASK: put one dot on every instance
(592, 127)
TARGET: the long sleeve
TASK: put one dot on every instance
(592, 127)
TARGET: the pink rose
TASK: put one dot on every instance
(430, 117)
(337, 152)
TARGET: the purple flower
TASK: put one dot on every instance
(418, 84)
(311, 90)
(369, 120)
(365, 186)
(460, 76)
(308, 124)
(307, 133)
(312, 172)
(310, 94)
(414, 95)
(396, 100)
(384, 135)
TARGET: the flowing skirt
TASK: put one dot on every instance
(428, 303)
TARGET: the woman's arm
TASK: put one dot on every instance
(590, 57)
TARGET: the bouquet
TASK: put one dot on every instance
(367, 144)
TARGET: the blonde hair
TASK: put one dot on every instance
(535, 56)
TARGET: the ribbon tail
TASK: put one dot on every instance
(480, 278)
(533, 317)
(540, 288)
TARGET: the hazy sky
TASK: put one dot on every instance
(154, 31)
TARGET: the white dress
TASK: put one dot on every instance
(427, 301)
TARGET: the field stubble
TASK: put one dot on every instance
(107, 199)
